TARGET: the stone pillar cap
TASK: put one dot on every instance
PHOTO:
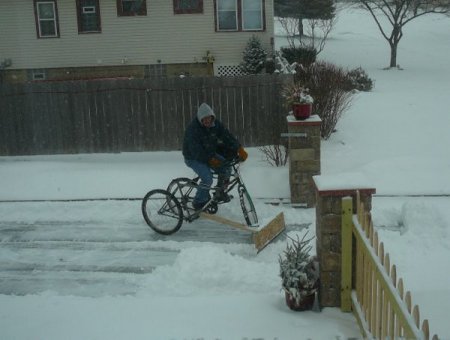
(313, 120)
(342, 184)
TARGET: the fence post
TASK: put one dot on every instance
(346, 260)
(329, 210)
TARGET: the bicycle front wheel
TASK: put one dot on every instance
(162, 212)
(247, 207)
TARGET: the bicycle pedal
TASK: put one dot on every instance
(212, 208)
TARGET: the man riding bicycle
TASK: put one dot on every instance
(207, 145)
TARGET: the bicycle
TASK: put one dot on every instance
(164, 210)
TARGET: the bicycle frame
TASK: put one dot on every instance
(184, 191)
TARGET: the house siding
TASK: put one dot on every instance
(159, 37)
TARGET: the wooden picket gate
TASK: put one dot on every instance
(369, 285)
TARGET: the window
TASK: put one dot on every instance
(37, 74)
(240, 15)
(252, 14)
(131, 7)
(88, 13)
(187, 6)
(227, 15)
(46, 14)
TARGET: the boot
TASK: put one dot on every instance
(198, 205)
(221, 195)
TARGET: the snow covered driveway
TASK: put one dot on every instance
(95, 270)
(94, 248)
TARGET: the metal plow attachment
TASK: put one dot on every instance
(261, 236)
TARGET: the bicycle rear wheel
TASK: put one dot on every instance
(251, 218)
(162, 212)
(182, 188)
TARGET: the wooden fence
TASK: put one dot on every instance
(135, 114)
(378, 300)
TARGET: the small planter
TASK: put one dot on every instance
(301, 111)
(306, 303)
(299, 274)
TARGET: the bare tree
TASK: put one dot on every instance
(314, 35)
(304, 9)
(398, 13)
(276, 154)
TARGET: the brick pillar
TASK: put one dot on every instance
(304, 158)
(328, 234)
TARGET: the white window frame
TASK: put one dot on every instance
(54, 19)
(237, 18)
(89, 10)
(240, 17)
(39, 75)
(261, 15)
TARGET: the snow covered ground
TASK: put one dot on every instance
(396, 136)
(94, 270)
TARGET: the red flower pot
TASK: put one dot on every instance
(301, 111)
(305, 304)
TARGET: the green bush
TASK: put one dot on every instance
(270, 66)
(254, 56)
(302, 55)
(359, 80)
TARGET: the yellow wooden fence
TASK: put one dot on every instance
(369, 285)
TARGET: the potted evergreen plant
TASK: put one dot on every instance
(299, 272)
(299, 100)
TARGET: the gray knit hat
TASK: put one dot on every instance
(204, 110)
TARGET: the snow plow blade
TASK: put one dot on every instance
(266, 234)
(261, 236)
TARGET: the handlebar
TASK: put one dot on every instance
(230, 162)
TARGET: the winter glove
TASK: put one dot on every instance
(242, 154)
(215, 162)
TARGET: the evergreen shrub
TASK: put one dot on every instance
(359, 80)
(270, 66)
(254, 56)
(302, 55)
